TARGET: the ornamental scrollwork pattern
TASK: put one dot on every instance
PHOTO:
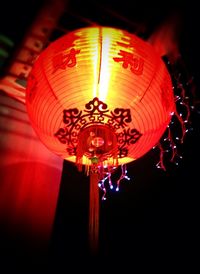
(97, 112)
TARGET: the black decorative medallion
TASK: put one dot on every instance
(96, 113)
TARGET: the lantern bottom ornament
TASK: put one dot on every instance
(98, 144)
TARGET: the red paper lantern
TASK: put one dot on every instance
(101, 77)
(100, 97)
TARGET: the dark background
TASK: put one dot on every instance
(153, 220)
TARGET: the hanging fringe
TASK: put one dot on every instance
(94, 212)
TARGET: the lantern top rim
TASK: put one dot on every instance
(107, 27)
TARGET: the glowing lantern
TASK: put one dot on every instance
(99, 97)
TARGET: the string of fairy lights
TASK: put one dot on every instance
(107, 178)
(169, 146)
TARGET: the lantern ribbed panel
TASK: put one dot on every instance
(98, 73)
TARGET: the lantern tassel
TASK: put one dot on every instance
(94, 212)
